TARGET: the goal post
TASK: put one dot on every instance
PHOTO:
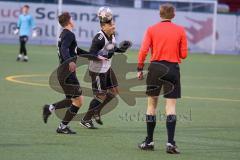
(59, 11)
(214, 28)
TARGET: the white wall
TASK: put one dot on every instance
(131, 25)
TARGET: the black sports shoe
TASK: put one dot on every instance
(87, 124)
(172, 149)
(46, 113)
(18, 58)
(65, 130)
(146, 145)
(97, 117)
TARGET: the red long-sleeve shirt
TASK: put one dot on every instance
(167, 41)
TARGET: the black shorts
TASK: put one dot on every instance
(101, 82)
(23, 39)
(69, 82)
(164, 78)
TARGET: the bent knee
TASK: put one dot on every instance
(101, 97)
(78, 101)
(114, 91)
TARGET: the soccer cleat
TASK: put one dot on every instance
(148, 146)
(172, 149)
(65, 130)
(25, 58)
(19, 57)
(97, 118)
(46, 113)
(87, 124)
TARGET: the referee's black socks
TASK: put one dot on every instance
(151, 123)
(70, 113)
(170, 125)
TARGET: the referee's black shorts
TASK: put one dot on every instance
(69, 82)
(101, 82)
(164, 78)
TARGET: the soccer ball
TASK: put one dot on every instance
(105, 14)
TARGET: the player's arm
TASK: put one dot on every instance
(64, 49)
(92, 54)
(32, 23)
(19, 22)
(98, 43)
(146, 44)
(112, 49)
(123, 46)
(85, 54)
(33, 26)
(183, 45)
(116, 49)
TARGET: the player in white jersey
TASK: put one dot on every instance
(104, 81)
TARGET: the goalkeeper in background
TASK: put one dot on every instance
(24, 26)
(104, 81)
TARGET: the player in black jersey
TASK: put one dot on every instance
(66, 73)
(104, 81)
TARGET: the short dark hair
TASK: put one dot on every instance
(26, 6)
(64, 19)
(104, 23)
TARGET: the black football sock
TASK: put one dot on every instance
(25, 52)
(70, 113)
(62, 104)
(171, 124)
(24, 49)
(21, 47)
(93, 105)
(106, 101)
(151, 123)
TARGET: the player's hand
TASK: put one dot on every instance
(34, 33)
(125, 45)
(140, 75)
(16, 31)
(72, 67)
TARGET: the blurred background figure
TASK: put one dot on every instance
(24, 25)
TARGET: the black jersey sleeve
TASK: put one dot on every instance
(98, 43)
(66, 43)
(82, 53)
(118, 50)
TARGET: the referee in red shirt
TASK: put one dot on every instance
(168, 44)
